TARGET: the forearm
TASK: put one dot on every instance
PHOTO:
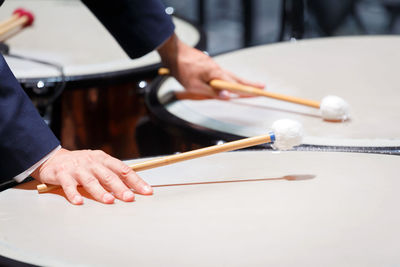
(169, 51)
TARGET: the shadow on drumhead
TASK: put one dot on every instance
(278, 109)
(292, 177)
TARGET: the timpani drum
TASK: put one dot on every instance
(361, 70)
(98, 112)
(248, 208)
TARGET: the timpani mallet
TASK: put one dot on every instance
(285, 135)
(21, 18)
(332, 108)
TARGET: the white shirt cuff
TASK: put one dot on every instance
(20, 177)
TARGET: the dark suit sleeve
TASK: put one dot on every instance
(139, 26)
(24, 136)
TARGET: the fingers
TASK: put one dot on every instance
(128, 176)
(113, 183)
(224, 95)
(96, 171)
(186, 95)
(69, 186)
(245, 81)
(229, 77)
(221, 74)
(93, 187)
(203, 89)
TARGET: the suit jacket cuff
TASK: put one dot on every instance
(20, 177)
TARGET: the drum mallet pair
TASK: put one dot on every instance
(20, 19)
(332, 108)
(285, 135)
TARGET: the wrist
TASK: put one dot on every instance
(169, 52)
(36, 173)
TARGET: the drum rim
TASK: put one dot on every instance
(87, 80)
(4, 261)
(206, 136)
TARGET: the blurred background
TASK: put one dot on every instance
(234, 24)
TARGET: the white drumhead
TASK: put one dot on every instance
(361, 70)
(67, 33)
(336, 209)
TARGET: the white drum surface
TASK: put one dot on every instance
(361, 70)
(335, 209)
(67, 33)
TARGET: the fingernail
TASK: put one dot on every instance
(108, 198)
(224, 94)
(128, 196)
(147, 189)
(77, 200)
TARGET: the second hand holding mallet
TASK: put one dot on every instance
(285, 135)
(332, 108)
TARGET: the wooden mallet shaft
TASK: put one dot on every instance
(158, 162)
(20, 22)
(247, 142)
(9, 20)
(236, 87)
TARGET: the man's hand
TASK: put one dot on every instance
(194, 69)
(96, 171)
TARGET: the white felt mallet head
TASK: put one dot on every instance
(333, 108)
(288, 133)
